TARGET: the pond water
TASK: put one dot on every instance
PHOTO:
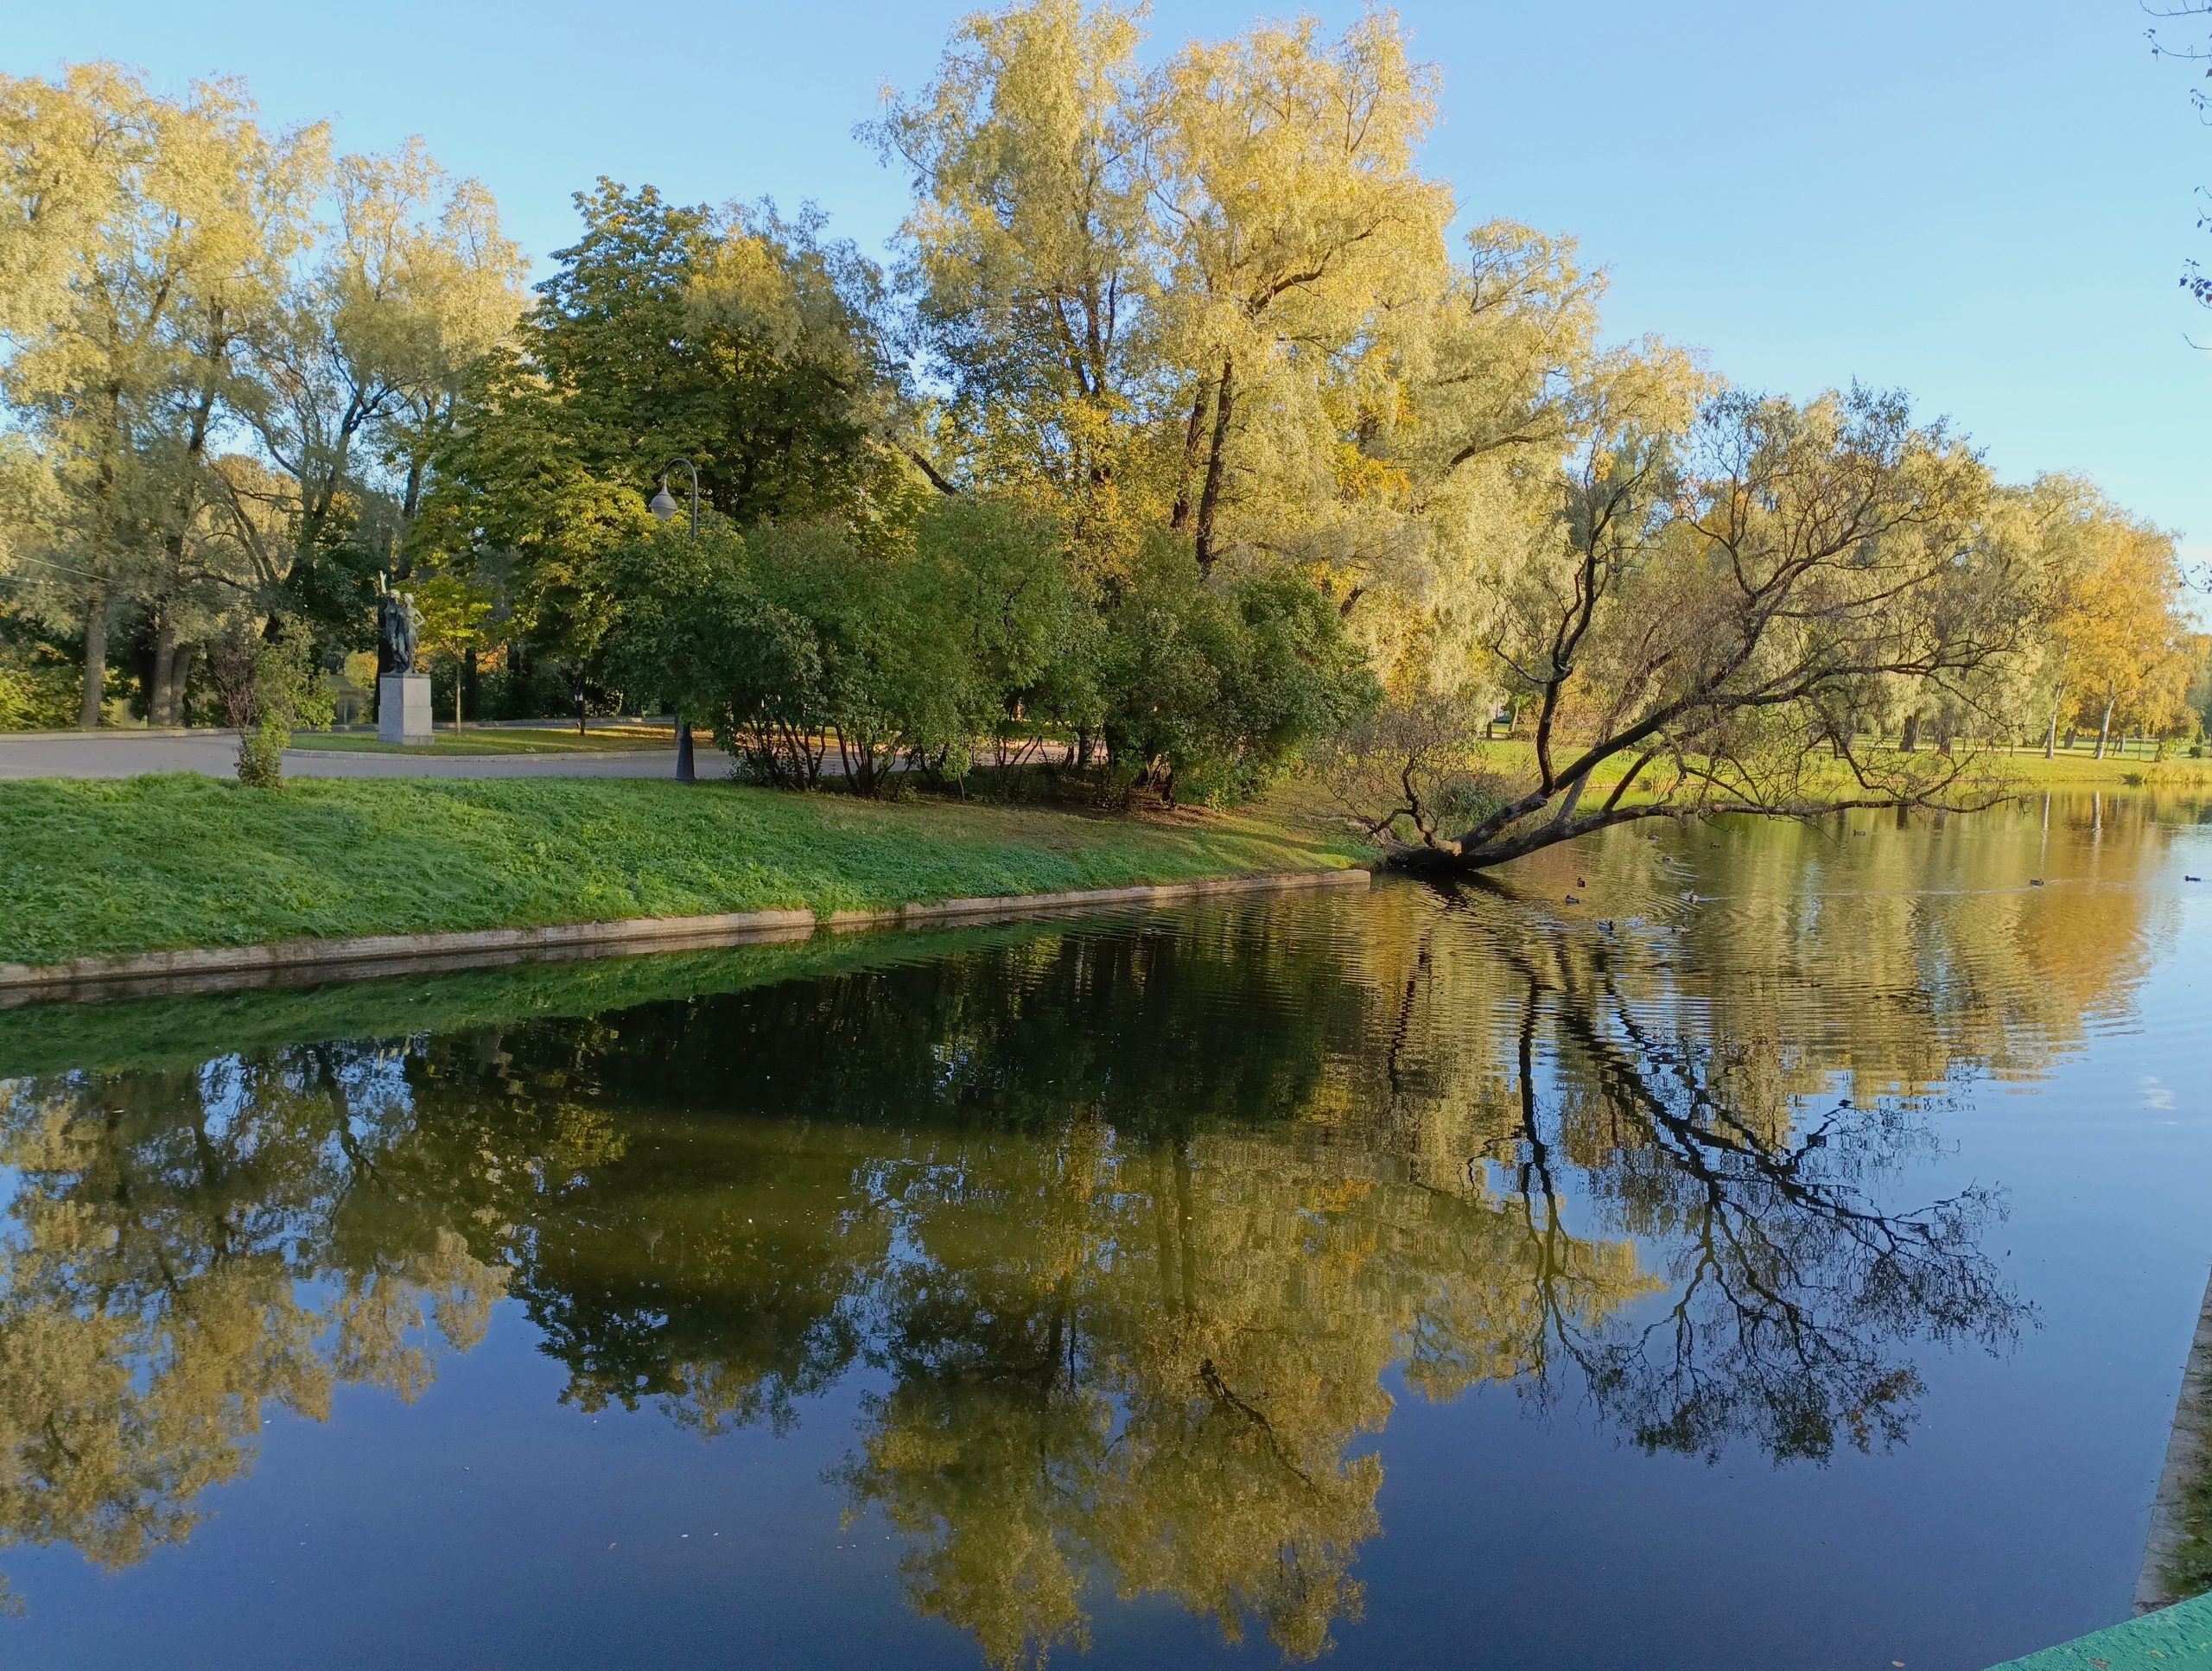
(1786, 1256)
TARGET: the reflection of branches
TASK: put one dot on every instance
(1225, 1396)
(1792, 1289)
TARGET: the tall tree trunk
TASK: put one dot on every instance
(1911, 738)
(2104, 731)
(180, 680)
(1180, 518)
(2050, 736)
(165, 697)
(88, 711)
(160, 689)
(1224, 401)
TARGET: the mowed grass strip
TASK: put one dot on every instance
(154, 863)
(505, 741)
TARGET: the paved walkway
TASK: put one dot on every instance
(2178, 1639)
(127, 754)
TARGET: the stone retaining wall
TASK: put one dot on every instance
(373, 955)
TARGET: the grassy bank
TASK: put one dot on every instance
(153, 863)
(505, 739)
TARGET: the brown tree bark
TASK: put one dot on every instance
(159, 691)
(180, 680)
(1224, 401)
(88, 710)
(1180, 518)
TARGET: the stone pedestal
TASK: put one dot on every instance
(403, 708)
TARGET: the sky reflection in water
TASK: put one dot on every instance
(1784, 1257)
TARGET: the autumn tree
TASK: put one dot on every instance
(1212, 304)
(1145, 289)
(2113, 616)
(1705, 618)
(357, 372)
(224, 345)
(149, 232)
(1032, 260)
(456, 623)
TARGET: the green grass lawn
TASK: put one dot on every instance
(2022, 768)
(151, 863)
(515, 740)
(2081, 769)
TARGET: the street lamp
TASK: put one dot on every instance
(663, 506)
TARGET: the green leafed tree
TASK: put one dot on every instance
(735, 338)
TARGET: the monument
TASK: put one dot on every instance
(403, 695)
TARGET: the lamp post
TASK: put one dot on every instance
(663, 506)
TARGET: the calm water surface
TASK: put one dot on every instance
(1785, 1257)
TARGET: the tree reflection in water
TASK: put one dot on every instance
(1137, 1224)
(1791, 1292)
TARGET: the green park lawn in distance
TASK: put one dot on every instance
(2081, 769)
(2018, 769)
(156, 863)
(504, 740)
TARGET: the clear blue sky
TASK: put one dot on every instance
(1984, 201)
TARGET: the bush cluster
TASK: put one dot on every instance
(268, 684)
(800, 643)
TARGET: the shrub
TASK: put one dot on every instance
(772, 712)
(991, 588)
(797, 638)
(36, 696)
(1211, 690)
(268, 684)
(261, 756)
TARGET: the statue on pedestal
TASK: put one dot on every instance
(403, 695)
(399, 630)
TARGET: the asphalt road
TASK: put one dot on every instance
(127, 754)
